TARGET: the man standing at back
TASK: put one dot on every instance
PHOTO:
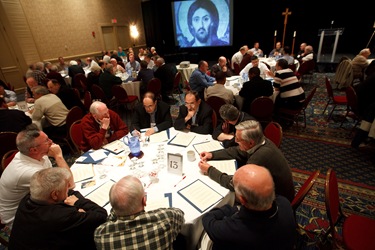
(262, 221)
(130, 227)
(166, 73)
(34, 148)
(199, 80)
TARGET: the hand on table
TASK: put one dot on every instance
(150, 132)
(205, 156)
(204, 166)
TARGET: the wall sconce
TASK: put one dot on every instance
(134, 33)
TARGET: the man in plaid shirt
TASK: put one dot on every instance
(129, 226)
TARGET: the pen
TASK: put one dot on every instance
(180, 181)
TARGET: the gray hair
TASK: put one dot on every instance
(40, 90)
(54, 68)
(26, 138)
(126, 195)
(94, 107)
(253, 198)
(229, 112)
(251, 130)
(45, 181)
(39, 65)
(72, 62)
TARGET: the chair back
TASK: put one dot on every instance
(119, 92)
(304, 190)
(237, 69)
(80, 82)
(177, 80)
(262, 109)
(87, 100)
(8, 142)
(332, 200)
(76, 92)
(76, 134)
(274, 132)
(214, 119)
(216, 102)
(309, 98)
(98, 93)
(306, 67)
(7, 158)
(75, 114)
(154, 85)
(329, 88)
(293, 67)
(351, 96)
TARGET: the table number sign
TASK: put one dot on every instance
(175, 163)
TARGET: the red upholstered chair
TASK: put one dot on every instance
(304, 190)
(262, 109)
(76, 135)
(358, 231)
(8, 142)
(306, 70)
(216, 102)
(87, 100)
(154, 85)
(352, 107)
(274, 132)
(293, 114)
(122, 97)
(332, 99)
(7, 158)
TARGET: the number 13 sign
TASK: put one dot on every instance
(175, 163)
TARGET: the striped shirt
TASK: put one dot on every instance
(151, 230)
(290, 88)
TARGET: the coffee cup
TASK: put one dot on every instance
(191, 155)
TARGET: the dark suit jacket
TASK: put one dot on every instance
(69, 98)
(166, 74)
(73, 70)
(163, 118)
(57, 76)
(254, 88)
(56, 226)
(203, 119)
(13, 120)
(106, 81)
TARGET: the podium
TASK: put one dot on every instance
(326, 38)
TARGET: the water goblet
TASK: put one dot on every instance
(102, 171)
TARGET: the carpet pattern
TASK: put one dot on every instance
(311, 215)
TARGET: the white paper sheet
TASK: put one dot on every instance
(101, 195)
(209, 146)
(82, 172)
(182, 139)
(98, 155)
(225, 166)
(159, 137)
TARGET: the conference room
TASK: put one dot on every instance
(38, 31)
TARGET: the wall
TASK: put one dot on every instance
(43, 30)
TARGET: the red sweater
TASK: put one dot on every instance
(93, 135)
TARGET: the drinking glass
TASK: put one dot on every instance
(102, 170)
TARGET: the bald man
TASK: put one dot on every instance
(263, 221)
(222, 66)
(130, 227)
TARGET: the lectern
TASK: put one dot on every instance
(329, 35)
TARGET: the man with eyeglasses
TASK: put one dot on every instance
(155, 115)
(34, 149)
(195, 115)
(253, 148)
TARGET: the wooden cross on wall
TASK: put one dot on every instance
(286, 14)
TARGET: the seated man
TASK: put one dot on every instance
(264, 70)
(66, 94)
(166, 73)
(29, 96)
(107, 79)
(195, 115)
(144, 76)
(226, 130)
(253, 148)
(117, 67)
(255, 87)
(73, 70)
(130, 227)
(54, 74)
(101, 126)
(238, 56)
(12, 119)
(54, 217)
(152, 114)
(286, 82)
(360, 63)
(219, 89)
(50, 107)
(34, 149)
(9, 96)
(261, 213)
(256, 50)
(199, 80)
(221, 66)
(132, 65)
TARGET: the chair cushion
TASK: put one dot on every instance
(358, 232)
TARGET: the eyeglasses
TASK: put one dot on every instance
(47, 141)
(190, 104)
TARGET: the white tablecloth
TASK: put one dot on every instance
(193, 228)
(186, 72)
(272, 62)
(132, 88)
